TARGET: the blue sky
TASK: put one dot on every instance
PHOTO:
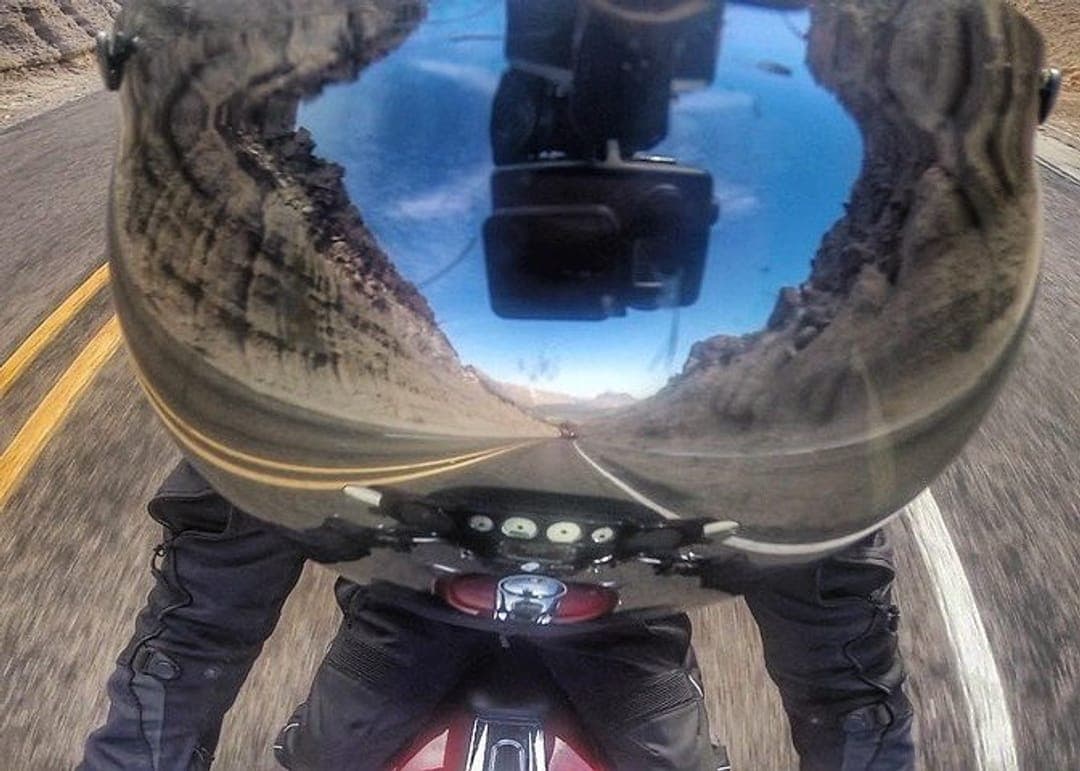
(412, 134)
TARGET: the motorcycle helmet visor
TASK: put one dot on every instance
(744, 275)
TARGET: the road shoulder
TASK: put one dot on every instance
(1059, 151)
(26, 93)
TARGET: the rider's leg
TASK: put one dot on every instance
(637, 689)
(386, 670)
(830, 636)
(220, 579)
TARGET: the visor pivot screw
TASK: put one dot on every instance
(1049, 89)
(113, 51)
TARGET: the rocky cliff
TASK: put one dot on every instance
(39, 32)
(919, 286)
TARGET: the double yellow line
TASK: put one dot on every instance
(31, 439)
(25, 354)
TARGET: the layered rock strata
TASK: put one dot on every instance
(242, 245)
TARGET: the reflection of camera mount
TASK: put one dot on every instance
(585, 226)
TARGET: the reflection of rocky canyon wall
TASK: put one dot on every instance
(914, 293)
(239, 252)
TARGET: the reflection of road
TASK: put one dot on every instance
(74, 541)
(537, 467)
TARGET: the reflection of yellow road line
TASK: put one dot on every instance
(294, 483)
(35, 433)
(213, 445)
(219, 456)
(50, 328)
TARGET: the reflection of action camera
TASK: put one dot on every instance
(578, 240)
(583, 225)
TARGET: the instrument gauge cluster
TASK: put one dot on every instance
(539, 536)
(566, 540)
(509, 525)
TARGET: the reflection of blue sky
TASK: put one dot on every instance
(412, 134)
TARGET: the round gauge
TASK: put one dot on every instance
(481, 524)
(520, 527)
(564, 532)
(603, 535)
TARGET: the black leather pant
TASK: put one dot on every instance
(829, 631)
(221, 577)
(635, 686)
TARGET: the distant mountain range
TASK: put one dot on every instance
(552, 405)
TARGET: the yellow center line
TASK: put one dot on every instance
(197, 436)
(50, 413)
(25, 354)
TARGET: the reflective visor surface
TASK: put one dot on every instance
(568, 268)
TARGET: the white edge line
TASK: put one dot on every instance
(987, 712)
(1061, 171)
(661, 510)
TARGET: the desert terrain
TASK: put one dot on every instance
(46, 45)
(97, 587)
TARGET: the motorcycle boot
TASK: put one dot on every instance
(220, 579)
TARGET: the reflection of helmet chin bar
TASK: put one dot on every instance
(584, 226)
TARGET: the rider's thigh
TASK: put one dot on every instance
(829, 631)
(384, 674)
(638, 692)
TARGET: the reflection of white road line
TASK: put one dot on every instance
(418, 437)
(988, 715)
(808, 549)
(662, 511)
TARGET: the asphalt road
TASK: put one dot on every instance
(74, 542)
